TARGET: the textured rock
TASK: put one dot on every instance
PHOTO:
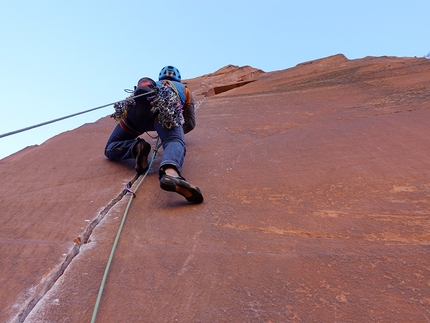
(316, 183)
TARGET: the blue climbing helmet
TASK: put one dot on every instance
(169, 73)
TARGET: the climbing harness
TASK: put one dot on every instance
(69, 116)
(132, 195)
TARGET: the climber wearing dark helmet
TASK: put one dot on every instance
(148, 113)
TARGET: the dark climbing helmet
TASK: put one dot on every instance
(170, 73)
(145, 85)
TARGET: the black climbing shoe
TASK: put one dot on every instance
(143, 149)
(181, 186)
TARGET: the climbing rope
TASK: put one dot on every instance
(69, 116)
(132, 195)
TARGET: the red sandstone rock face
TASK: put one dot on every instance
(316, 183)
(225, 79)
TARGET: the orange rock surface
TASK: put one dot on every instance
(316, 182)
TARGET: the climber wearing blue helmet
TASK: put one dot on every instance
(170, 73)
(148, 114)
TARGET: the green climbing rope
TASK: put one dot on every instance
(99, 296)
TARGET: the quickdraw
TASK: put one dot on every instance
(128, 189)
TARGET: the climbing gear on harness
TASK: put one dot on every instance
(144, 91)
(181, 186)
(121, 109)
(169, 73)
(165, 100)
(168, 104)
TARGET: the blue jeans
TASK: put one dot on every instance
(120, 146)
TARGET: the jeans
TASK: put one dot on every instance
(120, 146)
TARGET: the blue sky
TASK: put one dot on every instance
(62, 57)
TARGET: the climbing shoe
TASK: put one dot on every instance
(142, 149)
(181, 186)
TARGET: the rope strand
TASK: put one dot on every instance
(69, 116)
(99, 296)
